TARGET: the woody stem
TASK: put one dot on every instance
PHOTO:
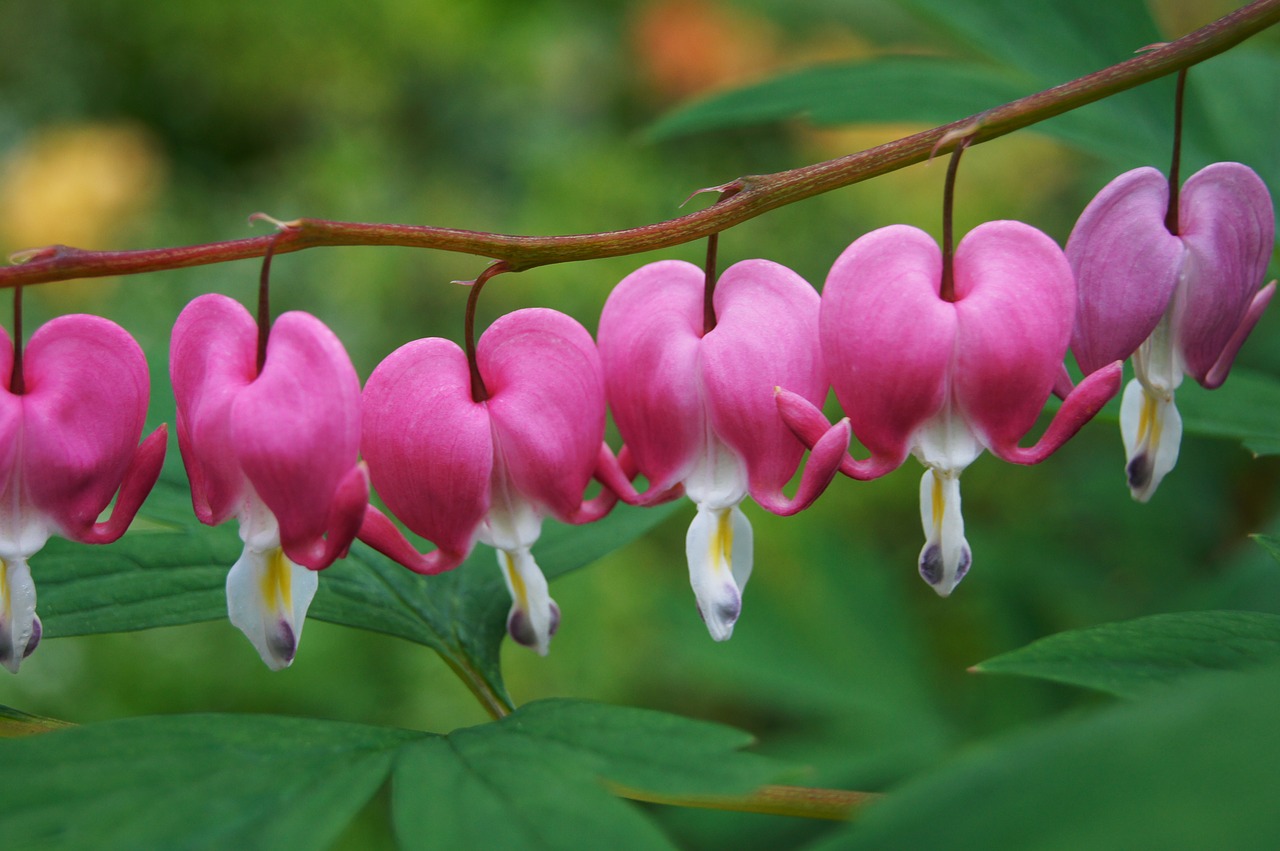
(478, 391)
(709, 285)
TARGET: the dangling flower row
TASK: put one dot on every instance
(716, 389)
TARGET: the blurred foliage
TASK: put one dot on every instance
(169, 123)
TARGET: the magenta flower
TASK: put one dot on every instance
(944, 380)
(275, 448)
(697, 408)
(1178, 303)
(68, 444)
(456, 470)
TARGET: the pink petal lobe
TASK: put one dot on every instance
(1228, 226)
(428, 445)
(650, 330)
(296, 432)
(1126, 266)
(546, 401)
(87, 390)
(1218, 374)
(766, 336)
(1078, 408)
(888, 337)
(212, 357)
(139, 477)
(10, 423)
(1015, 300)
(377, 530)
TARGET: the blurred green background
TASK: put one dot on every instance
(127, 124)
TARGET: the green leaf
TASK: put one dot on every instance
(892, 88)
(1129, 658)
(192, 782)
(533, 780)
(1195, 767)
(1244, 408)
(169, 570)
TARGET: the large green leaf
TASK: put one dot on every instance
(1193, 767)
(1245, 408)
(532, 780)
(169, 570)
(1130, 657)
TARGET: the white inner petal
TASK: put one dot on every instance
(946, 556)
(946, 442)
(720, 552)
(17, 611)
(534, 616)
(1151, 428)
(268, 594)
(719, 477)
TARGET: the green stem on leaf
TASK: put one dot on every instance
(798, 801)
(740, 200)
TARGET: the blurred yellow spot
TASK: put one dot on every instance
(78, 185)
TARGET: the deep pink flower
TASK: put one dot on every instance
(457, 471)
(1178, 303)
(275, 449)
(944, 380)
(68, 443)
(697, 408)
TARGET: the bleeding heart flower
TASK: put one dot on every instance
(944, 380)
(1178, 303)
(696, 408)
(275, 448)
(457, 470)
(68, 443)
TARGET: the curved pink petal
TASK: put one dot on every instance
(139, 478)
(428, 445)
(296, 433)
(888, 337)
(1228, 225)
(1222, 366)
(1080, 406)
(86, 397)
(546, 402)
(766, 336)
(649, 333)
(212, 357)
(1015, 304)
(1126, 266)
(10, 427)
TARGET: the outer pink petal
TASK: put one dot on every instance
(766, 336)
(649, 334)
(546, 401)
(428, 445)
(10, 424)
(1126, 267)
(212, 358)
(1228, 225)
(296, 430)
(887, 337)
(86, 397)
(1015, 300)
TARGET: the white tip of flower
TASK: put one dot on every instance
(19, 626)
(534, 616)
(946, 556)
(1152, 431)
(719, 548)
(267, 599)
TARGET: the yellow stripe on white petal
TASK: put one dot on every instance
(267, 599)
(946, 556)
(534, 616)
(1152, 431)
(19, 627)
(719, 548)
